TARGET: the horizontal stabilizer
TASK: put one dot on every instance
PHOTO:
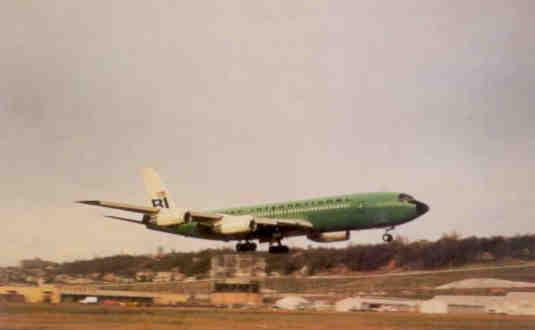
(123, 206)
(124, 219)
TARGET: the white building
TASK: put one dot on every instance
(321, 305)
(514, 303)
(377, 304)
(348, 305)
(291, 303)
(434, 306)
(520, 303)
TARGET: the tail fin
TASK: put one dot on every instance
(156, 190)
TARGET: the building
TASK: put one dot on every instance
(30, 294)
(236, 293)
(36, 263)
(68, 279)
(75, 294)
(348, 305)
(145, 276)
(463, 304)
(514, 303)
(434, 306)
(377, 304)
(171, 299)
(57, 294)
(237, 265)
(321, 305)
(167, 277)
(520, 303)
(292, 303)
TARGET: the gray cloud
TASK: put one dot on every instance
(243, 102)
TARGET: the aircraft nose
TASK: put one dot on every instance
(421, 208)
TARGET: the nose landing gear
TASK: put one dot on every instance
(388, 238)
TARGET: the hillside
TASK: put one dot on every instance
(449, 251)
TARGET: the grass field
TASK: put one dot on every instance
(414, 286)
(76, 317)
(396, 282)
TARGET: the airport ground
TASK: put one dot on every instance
(76, 317)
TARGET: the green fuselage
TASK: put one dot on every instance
(327, 214)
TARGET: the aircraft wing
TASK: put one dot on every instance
(125, 219)
(205, 217)
(210, 218)
(122, 206)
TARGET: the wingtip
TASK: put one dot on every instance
(124, 219)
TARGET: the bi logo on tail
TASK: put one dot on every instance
(160, 202)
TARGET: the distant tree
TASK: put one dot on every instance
(449, 250)
(401, 239)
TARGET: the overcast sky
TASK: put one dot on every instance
(238, 102)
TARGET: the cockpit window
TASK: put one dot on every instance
(405, 197)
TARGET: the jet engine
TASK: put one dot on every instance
(169, 217)
(242, 224)
(335, 236)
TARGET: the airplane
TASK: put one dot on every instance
(325, 219)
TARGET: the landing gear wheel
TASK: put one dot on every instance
(279, 249)
(252, 246)
(388, 238)
(247, 246)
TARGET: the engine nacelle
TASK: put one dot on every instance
(335, 236)
(242, 224)
(169, 217)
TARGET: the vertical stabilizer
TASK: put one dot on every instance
(158, 195)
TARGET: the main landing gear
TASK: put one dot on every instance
(279, 248)
(245, 247)
(388, 238)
